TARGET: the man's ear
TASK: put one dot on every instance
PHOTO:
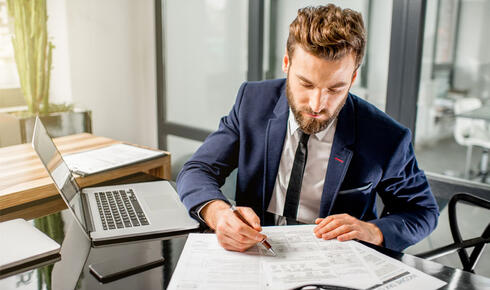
(285, 63)
(354, 76)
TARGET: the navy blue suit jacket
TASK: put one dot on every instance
(371, 154)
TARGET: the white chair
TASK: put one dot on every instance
(471, 132)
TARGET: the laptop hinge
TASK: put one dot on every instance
(87, 214)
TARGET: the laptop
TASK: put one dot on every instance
(24, 247)
(115, 214)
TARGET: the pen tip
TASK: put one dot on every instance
(272, 251)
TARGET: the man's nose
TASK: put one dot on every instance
(318, 101)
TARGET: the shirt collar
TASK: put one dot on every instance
(294, 126)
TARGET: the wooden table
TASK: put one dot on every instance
(27, 191)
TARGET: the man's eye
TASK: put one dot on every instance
(308, 86)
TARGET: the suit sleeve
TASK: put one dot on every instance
(410, 212)
(205, 172)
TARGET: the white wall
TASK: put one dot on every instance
(60, 88)
(104, 61)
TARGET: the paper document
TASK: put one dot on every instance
(301, 259)
(204, 264)
(110, 157)
(396, 275)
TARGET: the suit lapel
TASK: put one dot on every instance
(274, 142)
(340, 157)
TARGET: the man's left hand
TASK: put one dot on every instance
(345, 227)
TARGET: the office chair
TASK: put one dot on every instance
(468, 261)
(471, 132)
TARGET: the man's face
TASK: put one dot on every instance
(317, 88)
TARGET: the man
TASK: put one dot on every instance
(308, 151)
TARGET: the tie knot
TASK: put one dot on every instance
(303, 137)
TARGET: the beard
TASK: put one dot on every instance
(307, 124)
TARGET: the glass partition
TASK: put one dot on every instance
(205, 59)
(453, 132)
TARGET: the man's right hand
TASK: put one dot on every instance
(232, 233)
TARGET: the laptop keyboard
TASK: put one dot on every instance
(120, 209)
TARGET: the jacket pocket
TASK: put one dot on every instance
(362, 188)
(354, 201)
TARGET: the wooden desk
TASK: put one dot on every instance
(26, 190)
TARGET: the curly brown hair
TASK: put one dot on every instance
(328, 32)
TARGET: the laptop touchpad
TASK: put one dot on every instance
(156, 203)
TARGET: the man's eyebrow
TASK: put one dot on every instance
(335, 86)
(304, 79)
(338, 85)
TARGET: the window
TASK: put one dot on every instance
(455, 78)
(10, 93)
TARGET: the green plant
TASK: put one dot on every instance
(33, 51)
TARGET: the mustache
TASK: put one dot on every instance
(310, 111)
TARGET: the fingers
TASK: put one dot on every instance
(335, 225)
(322, 222)
(238, 226)
(343, 229)
(238, 243)
(233, 234)
(327, 224)
(232, 226)
(348, 236)
(251, 217)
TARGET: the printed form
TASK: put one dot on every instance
(395, 274)
(109, 157)
(301, 259)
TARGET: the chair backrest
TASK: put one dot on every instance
(468, 261)
(463, 126)
(449, 191)
(464, 105)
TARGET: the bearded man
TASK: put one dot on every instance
(308, 151)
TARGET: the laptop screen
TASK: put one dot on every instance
(58, 170)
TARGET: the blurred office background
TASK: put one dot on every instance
(163, 72)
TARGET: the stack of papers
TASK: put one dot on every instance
(106, 158)
(301, 259)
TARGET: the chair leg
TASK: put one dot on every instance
(468, 162)
(484, 165)
(477, 252)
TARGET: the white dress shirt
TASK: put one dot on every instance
(319, 147)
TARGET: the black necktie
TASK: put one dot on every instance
(296, 178)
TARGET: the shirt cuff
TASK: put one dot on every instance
(198, 209)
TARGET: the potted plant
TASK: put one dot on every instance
(33, 57)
